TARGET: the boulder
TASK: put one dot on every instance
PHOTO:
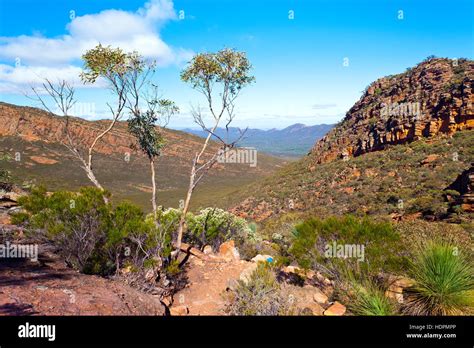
(336, 309)
(228, 251)
(262, 258)
(179, 310)
(207, 250)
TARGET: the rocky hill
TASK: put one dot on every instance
(434, 97)
(37, 137)
(422, 119)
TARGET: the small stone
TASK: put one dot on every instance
(319, 296)
(262, 258)
(207, 250)
(310, 274)
(429, 159)
(404, 282)
(326, 281)
(232, 284)
(291, 269)
(335, 309)
(228, 251)
(167, 301)
(179, 310)
(149, 275)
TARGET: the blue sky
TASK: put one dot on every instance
(298, 63)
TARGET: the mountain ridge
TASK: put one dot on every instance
(295, 140)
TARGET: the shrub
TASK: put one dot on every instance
(383, 250)
(444, 282)
(368, 298)
(213, 226)
(260, 295)
(432, 203)
(76, 222)
(93, 236)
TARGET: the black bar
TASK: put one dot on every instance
(244, 331)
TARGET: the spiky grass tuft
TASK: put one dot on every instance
(444, 282)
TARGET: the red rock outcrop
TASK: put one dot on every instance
(435, 97)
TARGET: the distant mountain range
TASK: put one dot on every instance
(293, 141)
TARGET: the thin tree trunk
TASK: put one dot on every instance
(153, 183)
(100, 136)
(90, 174)
(88, 165)
(182, 220)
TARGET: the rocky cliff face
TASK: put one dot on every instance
(435, 97)
(32, 124)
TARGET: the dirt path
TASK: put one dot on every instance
(208, 279)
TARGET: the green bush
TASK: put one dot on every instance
(383, 250)
(444, 282)
(93, 236)
(212, 226)
(260, 295)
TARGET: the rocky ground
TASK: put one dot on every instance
(211, 276)
(48, 287)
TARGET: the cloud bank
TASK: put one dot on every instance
(35, 57)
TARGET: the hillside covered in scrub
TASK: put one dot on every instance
(382, 160)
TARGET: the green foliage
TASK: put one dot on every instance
(213, 226)
(382, 248)
(260, 295)
(93, 236)
(110, 63)
(432, 203)
(444, 282)
(430, 57)
(368, 298)
(5, 175)
(227, 66)
(143, 128)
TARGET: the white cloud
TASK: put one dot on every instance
(54, 58)
(14, 79)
